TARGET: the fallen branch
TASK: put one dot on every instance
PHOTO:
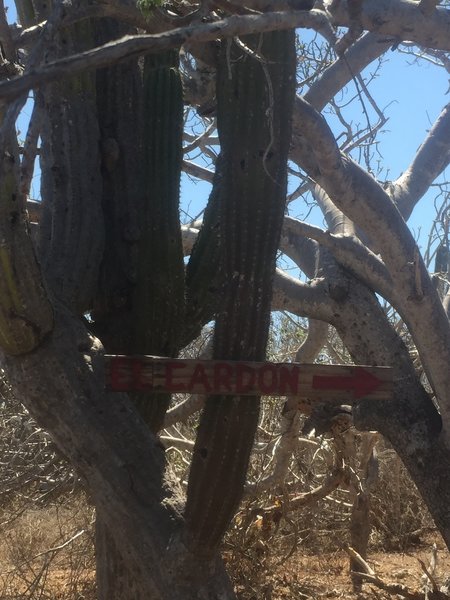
(370, 576)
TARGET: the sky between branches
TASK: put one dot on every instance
(412, 94)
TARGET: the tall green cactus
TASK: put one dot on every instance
(71, 227)
(119, 109)
(158, 300)
(71, 233)
(26, 315)
(255, 93)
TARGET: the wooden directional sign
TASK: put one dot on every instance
(235, 378)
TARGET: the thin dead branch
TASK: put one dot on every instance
(133, 46)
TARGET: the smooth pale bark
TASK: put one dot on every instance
(410, 420)
(401, 19)
(365, 202)
(431, 159)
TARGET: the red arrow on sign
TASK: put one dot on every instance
(360, 384)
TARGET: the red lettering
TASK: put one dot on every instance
(267, 379)
(136, 370)
(119, 374)
(143, 376)
(222, 375)
(245, 378)
(289, 380)
(171, 385)
(199, 377)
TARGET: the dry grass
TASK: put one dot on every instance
(46, 524)
(48, 553)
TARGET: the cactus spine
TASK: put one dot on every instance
(158, 302)
(119, 100)
(71, 232)
(255, 99)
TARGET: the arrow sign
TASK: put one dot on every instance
(361, 383)
(156, 374)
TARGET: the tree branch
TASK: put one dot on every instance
(306, 300)
(362, 199)
(183, 410)
(30, 148)
(290, 420)
(350, 253)
(431, 159)
(193, 402)
(128, 47)
(401, 19)
(197, 171)
(301, 250)
(189, 235)
(331, 483)
(75, 401)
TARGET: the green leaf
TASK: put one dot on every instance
(147, 6)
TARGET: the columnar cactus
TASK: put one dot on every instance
(119, 109)
(72, 230)
(255, 93)
(158, 299)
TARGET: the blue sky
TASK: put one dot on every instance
(416, 94)
(413, 94)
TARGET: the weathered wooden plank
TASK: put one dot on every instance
(239, 378)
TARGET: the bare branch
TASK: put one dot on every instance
(189, 235)
(172, 442)
(313, 343)
(350, 253)
(360, 560)
(183, 410)
(401, 19)
(357, 194)
(286, 445)
(331, 483)
(14, 108)
(431, 159)
(30, 150)
(128, 47)
(301, 250)
(290, 420)
(337, 222)
(197, 171)
(193, 403)
(393, 589)
(306, 300)
(125, 12)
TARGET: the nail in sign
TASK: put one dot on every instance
(239, 378)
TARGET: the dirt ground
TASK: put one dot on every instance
(300, 577)
(307, 577)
